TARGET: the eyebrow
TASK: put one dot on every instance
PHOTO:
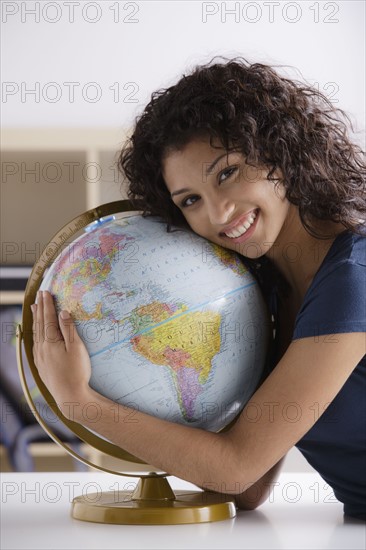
(208, 171)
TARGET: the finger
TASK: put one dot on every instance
(51, 325)
(34, 318)
(68, 329)
(34, 329)
(40, 317)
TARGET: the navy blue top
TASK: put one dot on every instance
(336, 303)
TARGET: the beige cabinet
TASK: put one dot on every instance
(50, 175)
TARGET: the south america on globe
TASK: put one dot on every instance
(175, 326)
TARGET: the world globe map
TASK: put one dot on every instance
(175, 326)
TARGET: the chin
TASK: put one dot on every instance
(251, 250)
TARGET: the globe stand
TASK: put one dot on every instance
(153, 501)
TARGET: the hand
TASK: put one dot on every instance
(60, 355)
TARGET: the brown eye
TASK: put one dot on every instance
(189, 201)
(225, 174)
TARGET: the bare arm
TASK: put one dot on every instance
(259, 491)
(311, 371)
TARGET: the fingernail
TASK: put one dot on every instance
(64, 314)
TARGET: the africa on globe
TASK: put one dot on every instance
(175, 326)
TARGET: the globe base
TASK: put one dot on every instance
(153, 503)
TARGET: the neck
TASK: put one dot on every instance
(297, 255)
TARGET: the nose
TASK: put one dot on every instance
(219, 209)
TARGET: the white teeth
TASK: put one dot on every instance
(241, 229)
(236, 232)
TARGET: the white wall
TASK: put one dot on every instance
(152, 43)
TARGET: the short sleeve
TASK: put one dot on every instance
(335, 303)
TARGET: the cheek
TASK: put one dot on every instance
(193, 221)
(273, 201)
(279, 192)
(199, 228)
(203, 229)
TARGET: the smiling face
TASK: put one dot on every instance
(224, 200)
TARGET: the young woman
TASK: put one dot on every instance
(264, 166)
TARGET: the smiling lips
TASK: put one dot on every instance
(241, 228)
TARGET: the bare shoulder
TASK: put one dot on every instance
(312, 371)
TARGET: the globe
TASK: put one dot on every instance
(175, 326)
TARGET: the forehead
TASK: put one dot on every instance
(191, 161)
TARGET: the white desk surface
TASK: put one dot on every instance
(35, 514)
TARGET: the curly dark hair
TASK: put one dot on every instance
(274, 121)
